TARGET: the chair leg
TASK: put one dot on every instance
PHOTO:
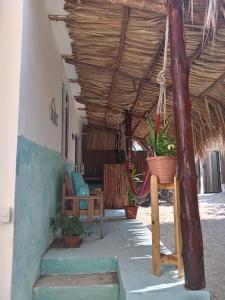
(101, 219)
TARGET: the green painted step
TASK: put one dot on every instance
(78, 265)
(103, 286)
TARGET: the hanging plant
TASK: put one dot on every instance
(159, 140)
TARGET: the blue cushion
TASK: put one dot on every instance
(80, 188)
(77, 181)
(83, 190)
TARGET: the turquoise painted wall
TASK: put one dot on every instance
(38, 193)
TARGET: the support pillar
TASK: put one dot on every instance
(128, 133)
(192, 249)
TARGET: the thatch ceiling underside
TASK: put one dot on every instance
(118, 52)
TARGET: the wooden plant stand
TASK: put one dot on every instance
(157, 257)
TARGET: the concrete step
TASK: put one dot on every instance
(78, 265)
(103, 286)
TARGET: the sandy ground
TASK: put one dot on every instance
(212, 211)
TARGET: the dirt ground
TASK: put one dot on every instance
(212, 212)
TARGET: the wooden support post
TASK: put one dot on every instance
(101, 217)
(178, 242)
(155, 226)
(192, 249)
(128, 133)
(159, 258)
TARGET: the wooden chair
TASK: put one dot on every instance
(71, 203)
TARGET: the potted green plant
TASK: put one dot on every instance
(163, 162)
(71, 229)
(131, 209)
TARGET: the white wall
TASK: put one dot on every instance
(10, 57)
(41, 80)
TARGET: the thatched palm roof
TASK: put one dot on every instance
(118, 52)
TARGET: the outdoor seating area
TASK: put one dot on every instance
(82, 203)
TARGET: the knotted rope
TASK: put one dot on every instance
(161, 80)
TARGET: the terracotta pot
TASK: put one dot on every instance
(72, 241)
(131, 211)
(164, 167)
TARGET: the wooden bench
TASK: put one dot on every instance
(71, 203)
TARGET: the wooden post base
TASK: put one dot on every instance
(157, 257)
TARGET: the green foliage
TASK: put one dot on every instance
(69, 225)
(130, 196)
(161, 143)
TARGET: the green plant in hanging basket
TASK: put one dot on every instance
(163, 162)
(159, 140)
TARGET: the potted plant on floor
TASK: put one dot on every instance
(163, 162)
(131, 209)
(71, 229)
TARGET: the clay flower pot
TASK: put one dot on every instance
(72, 241)
(164, 167)
(131, 211)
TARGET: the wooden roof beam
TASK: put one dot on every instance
(73, 80)
(136, 126)
(117, 111)
(151, 6)
(213, 85)
(148, 74)
(200, 49)
(62, 18)
(95, 123)
(71, 60)
(118, 61)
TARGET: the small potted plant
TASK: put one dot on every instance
(71, 229)
(163, 162)
(131, 209)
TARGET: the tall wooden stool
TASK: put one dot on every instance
(157, 257)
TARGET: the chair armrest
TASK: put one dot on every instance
(92, 197)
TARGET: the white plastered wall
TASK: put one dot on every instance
(10, 59)
(42, 78)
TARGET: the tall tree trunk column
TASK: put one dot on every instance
(192, 250)
(128, 133)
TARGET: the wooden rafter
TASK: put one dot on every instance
(147, 77)
(93, 106)
(148, 74)
(200, 49)
(73, 80)
(197, 53)
(213, 85)
(118, 61)
(63, 18)
(136, 126)
(71, 60)
(152, 6)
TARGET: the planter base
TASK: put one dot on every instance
(164, 167)
(72, 242)
(131, 212)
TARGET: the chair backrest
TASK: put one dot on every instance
(68, 185)
(77, 181)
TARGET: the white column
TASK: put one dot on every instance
(10, 58)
